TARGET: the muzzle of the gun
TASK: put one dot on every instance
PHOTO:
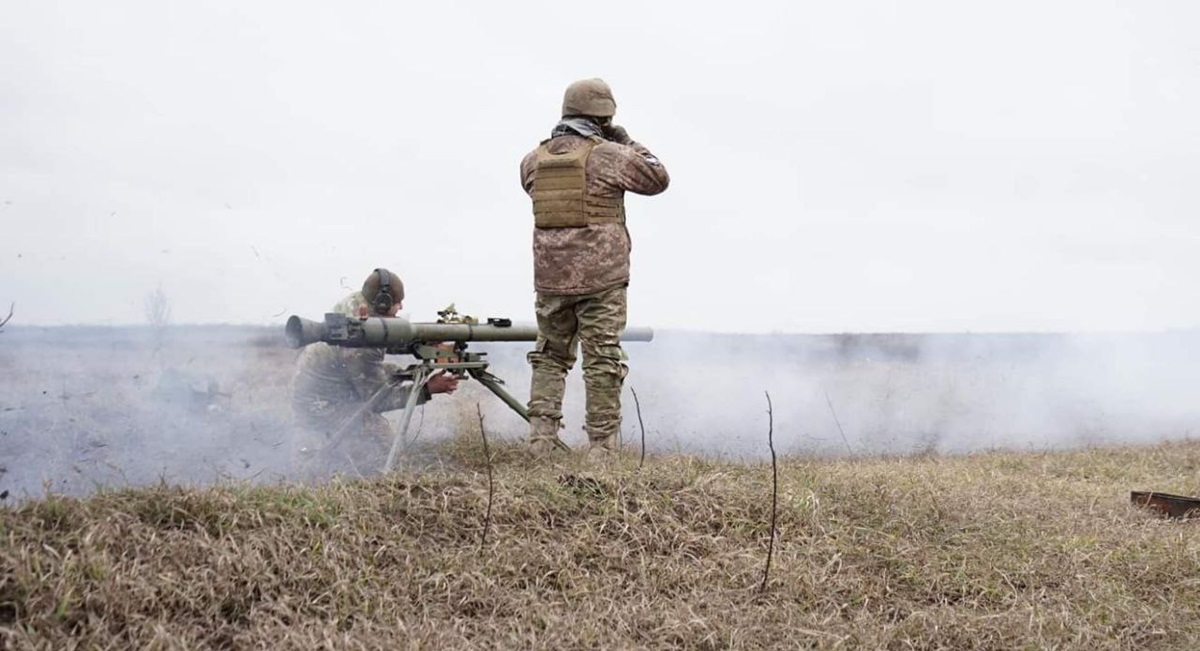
(301, 332)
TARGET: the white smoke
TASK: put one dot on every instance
(83, 407)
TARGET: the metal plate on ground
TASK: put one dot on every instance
(1173, 506)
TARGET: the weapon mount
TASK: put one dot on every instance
(440, 345)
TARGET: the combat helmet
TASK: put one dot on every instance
(590, 97)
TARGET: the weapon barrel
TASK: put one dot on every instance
(394, 332)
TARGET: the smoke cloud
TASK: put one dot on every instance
(86, 407)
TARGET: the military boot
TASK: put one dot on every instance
(603, 447)
(543, 436)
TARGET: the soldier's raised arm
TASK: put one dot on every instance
(528, 168)
(634, 169)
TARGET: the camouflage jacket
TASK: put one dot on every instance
(576, 261)
(332, 382)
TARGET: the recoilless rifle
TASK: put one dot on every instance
(436, 346)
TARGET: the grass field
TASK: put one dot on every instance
(937, 492)
(983, 551)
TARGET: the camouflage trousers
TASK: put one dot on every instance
(565, 323)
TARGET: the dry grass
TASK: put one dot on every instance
(989, 551)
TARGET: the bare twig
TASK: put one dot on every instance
(11, 307)
(487, 454)
(638, 404)
(837, 422)
(774, 490)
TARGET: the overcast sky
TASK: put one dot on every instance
(849, 166)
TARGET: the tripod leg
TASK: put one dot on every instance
(491, 382)
(420, 376)
(356, 418)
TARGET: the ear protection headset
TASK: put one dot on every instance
(383, 298)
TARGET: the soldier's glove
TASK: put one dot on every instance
(617, 133)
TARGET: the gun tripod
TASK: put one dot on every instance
(464, 364)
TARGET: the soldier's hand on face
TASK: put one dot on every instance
(442, 382)
(617, 133)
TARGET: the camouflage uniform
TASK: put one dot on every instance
(581, 275)
(330, 385)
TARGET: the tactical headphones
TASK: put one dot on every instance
(383, 300)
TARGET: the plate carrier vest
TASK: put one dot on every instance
(560, 198)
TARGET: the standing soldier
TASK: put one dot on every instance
(333, 388)
(578, 179)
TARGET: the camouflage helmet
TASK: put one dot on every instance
(590, 97)
(371, 285)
